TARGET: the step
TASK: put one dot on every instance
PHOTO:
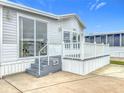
(32, 72)
(35, 73)
(41, 63)
(42, 59)
(37, 66)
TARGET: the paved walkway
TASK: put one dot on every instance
(112, 70)
(117, 59)
(61, 82)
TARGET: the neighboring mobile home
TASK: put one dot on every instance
(114, 39)
(42, 43)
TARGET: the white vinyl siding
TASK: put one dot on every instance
(9, 26)
(9, 47)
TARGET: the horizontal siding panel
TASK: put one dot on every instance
(8, 41)
(9, 52)
(9, 27)
(9, 24)
(8, 34)
(9, 20)
(9, 59)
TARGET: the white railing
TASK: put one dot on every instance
(71, 50)
(46, 46)
(117, 53)
(95, 50)
(74, 50)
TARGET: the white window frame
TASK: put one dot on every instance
(34, 19)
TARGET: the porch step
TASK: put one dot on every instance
(45, 69)
(36, 66)
(35, 72)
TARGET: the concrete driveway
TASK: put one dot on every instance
(112, 70)
(5, 87)
(61, 82)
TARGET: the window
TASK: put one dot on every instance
(103, 39)
(117, 40)
(66, 36)
(98, 39)
(74, 37)
(87, 39)
(91, 39)
(32, 37)
(110, 40)
(26, 37)
(41, 37)
(78, 38)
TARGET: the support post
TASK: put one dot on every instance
(81, 46)
(39, 64)
(48, 53)
(95, 49)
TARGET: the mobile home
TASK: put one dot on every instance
(40, 43)
(114, 39)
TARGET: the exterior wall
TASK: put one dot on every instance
(10, 45)
(9, 48)
(10, 34)
(10, 61)
(86, 66)
(71, 24)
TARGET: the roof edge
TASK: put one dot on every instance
(26, 8)
(39, 12)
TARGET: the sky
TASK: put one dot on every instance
(97, 15)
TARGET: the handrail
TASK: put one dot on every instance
(40, 57)
(42, 48)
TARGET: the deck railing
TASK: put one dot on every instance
(75, 50)
(71, 50)
(95, 50)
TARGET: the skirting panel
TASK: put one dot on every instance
(15, 67)
(86, 66)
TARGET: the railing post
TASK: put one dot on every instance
(81, 46)
(103, 49)
(63, 47)
(39, 63)
(108, 49)
(1, 72)
(48, 53)
(95, 49)
(40, 57)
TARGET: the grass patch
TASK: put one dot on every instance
(117, 62)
